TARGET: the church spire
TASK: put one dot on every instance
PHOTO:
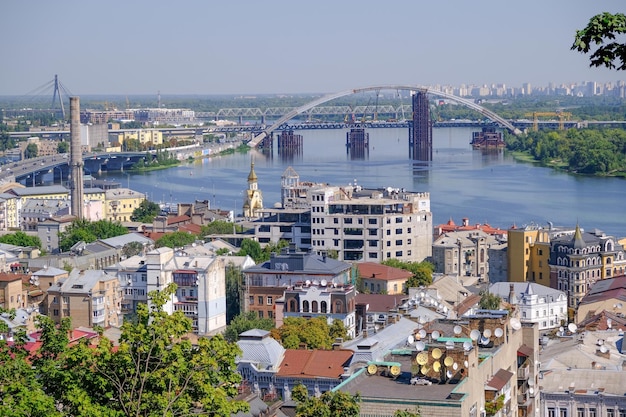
(579, 243)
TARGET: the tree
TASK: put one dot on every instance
(132, 249)
(146, 212)
(87, 231)
(30, 151)
(422, 272)
(314, 333)
(406, 413)
(489, 301)
(175, 240)
(329, 404)
(602, 30)
(155, 370)
(252, 248)
(220, 227)
(21, 239)
(234, 278)
(63, 147)
(244, 322)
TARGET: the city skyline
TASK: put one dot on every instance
(275, 48)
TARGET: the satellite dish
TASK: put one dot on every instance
(422, 358)
(484, 341)
(436, 366)
(467, 345)
(487, 333)
(425, 369)
(449, 344)
(420, 346)
(475, 334)
(600, 342)
(421, 319)
(455, 366)
(515, 323)
(448, 361)
(372, 369)
(307, 282)
(604, 349)
(324, 283)
(437, 353)
(561, 329)
(531, 390)
(449, 374)
(572, 327)
(531, 382)
(395, 370)
(410, 340)
(619, 305)
(457, 329)
(436, 335)
(498, 332)
(422, 333)
(466, 364)
(609, 323)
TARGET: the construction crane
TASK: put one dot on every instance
(561, 115)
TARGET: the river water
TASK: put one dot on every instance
(484, 186)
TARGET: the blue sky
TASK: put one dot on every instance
(281, 46)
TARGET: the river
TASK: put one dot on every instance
(486, 187)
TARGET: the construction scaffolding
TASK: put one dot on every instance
(421, 130)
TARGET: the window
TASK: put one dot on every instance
(260, 298)
(580, 412)
(398, 242)
(388, 232)
(55, 312)
(270, 300)
(592, 412)
(551, 412)
(398, 253)
(305, 306)
(399, 231)
(270, 314)
(563, 412)
(66, 300)
(251, 300)
(398, 219)
(372, 221)
(260, 314)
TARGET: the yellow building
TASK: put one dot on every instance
(12, 293)
(528, 255)
(382, 279)
(144, 136)
(253, 200)
(120, 204)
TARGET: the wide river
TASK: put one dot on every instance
(485, 187)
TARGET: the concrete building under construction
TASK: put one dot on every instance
(421, 130)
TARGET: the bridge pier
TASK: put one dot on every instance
(357, 141)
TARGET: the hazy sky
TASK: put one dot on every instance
(271, 46)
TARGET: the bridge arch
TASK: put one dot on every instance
(299, 110)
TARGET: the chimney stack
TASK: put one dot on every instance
(76, 159)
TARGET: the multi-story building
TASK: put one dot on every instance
(149, 137)
(371, 225)
(121, 202)
(463, 253)
(165, 116)
(376, 278)
(35, 211)
(537, 303)
(48, 231)
(275, 224)
(528, 254)
(607, 295)
(580, 259)
(104, 116)
(12, 293)
(90, 297)
(296, 271)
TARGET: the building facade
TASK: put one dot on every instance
(120, 204)
(528, 254)
(371, 225)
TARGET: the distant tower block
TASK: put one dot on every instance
(357, 141)
(289, 141)
(421, 131)
(76, 159)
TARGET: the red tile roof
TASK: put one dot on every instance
(314, 363)
(382, 272)
(178, 219)
(380, 303)
(10, 277)
(500, 379)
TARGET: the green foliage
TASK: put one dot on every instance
(422, 272)
(489, 301)
(315, 333)
(31, 151)
(132, 249)
(87, 231)
(406, 413)
(63, 147)
(21, 239)
(586, 151)
(155, 371)
(329, 404)
(146, 212)
(234, 278)
(252, 248)
(221, 227)
(6, 142)
(492, 407)
(175, 240)
(601, 31)
(244, 322)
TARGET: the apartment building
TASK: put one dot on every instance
(463, 253)
(371, 224)
(528, 254)
(579, 260)
(120, 203)
(90, 297)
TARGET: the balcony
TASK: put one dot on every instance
(523, 372)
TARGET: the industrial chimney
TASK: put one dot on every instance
(76, 159)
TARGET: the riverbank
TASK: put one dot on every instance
(559, 165)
